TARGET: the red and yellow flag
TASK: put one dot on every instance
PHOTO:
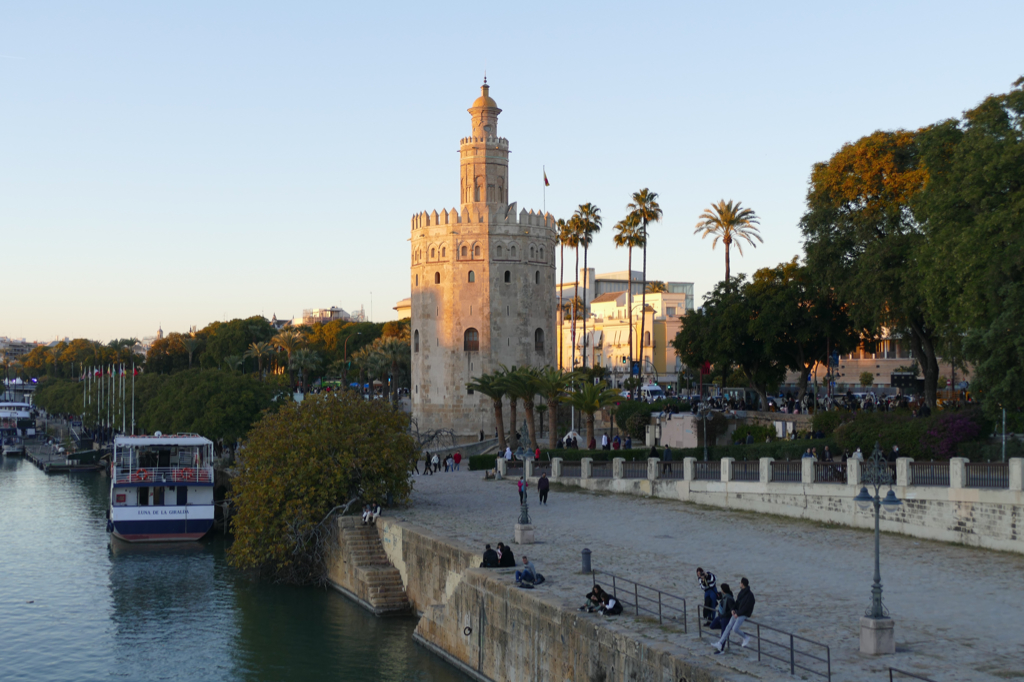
(546, 183)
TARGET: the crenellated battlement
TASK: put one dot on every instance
(471, 215)
(499, 142)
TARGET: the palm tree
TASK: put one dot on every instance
(644, 209)
(589, 224)
(234, 361)
(191, 345)
(572, 240)
(523, 384)
(394, 350)
(553, 384)
(657, 287)
(730, 223)
(573, 306)
(289, 342)
(628, 234)
(588, 398)
(306, 361)
(563, 240)
(259, 350)
(489, 385)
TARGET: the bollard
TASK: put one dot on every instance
(586, 560)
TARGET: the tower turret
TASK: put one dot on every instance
(484, 155)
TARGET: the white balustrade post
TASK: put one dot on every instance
(654, 468)
(853, 471)
(807, 470)
(689, 468)
(765, 470)
(617, 467)
(957, 472)
(903, 470)
(556, 467)
(1016, 473)
(726, 470)
(586, 467)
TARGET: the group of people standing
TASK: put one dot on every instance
(723, 611)
(433, 465)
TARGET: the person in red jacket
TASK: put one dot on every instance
(457, 458)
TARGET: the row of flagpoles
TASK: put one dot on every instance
(105, 395)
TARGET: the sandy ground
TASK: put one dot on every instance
(957, 609)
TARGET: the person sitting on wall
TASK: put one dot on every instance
(528, 576)
(374, 512)
(490, 558)
(506, 559)
(726, 605)
(366, 514)
(595, 599)
(611, 606)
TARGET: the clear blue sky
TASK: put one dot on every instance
(179, 163)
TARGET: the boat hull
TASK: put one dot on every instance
(162, 531)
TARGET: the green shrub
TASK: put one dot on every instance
(939, 436)
(828, 421)
(759, 432)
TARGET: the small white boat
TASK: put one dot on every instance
(161, 488)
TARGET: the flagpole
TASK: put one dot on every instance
(545, 171)
(133, 397)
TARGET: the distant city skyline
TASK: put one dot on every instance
(174, 165)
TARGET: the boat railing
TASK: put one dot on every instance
(164, 475)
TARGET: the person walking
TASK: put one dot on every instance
(543, 485)
(435, 461)
(457, 458)
(666, 458)
(709, 585)
(523, 485)
(604, 442)
(744, 609)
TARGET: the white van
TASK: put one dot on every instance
(651, 392)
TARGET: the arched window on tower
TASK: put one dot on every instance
(471, 340)
(433, 253)
(542, 253)
(416, 341)
(472, 276)
(417, 280)
(444, 251)
(536, 277)
(498, 251)
(513, 252)
(532, 254)
(437, 278)
(476, 190)
(647, 339)
(538, 340)
(465, 252)
(508, 277)
(476, 251)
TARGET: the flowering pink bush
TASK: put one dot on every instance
(948, 430)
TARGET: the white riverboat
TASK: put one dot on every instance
(161, 488)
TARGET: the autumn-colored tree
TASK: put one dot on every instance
(305, 461)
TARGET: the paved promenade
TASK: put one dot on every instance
(957, 610)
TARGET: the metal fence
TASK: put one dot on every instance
(544, 468)
(987, 475)
(829, 472)
(634, 469)
(674, 470)
(601, 470)
(928, 473)
(799, 653)
(646, 600)
(891, 466)
(707, 471)
(787, 472)
(904, 673)
(746, 471)
(571, 469)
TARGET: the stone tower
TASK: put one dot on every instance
(483, 283)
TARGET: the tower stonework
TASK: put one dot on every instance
(483, 282)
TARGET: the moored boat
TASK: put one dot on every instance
(161, 488)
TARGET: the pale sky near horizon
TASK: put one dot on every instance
(178, 163)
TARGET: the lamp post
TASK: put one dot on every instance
(703, 411)
(876, 635)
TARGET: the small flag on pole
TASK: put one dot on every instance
(546, 183)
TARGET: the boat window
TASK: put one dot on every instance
(158, 496)
(143, 496)
(182, 495)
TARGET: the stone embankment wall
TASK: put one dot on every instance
(478, 620)
(359, 568)
(981, 517)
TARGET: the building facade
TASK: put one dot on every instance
(481, 279)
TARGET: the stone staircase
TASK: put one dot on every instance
(379, 584)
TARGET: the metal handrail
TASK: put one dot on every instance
(785, 471)
(163, 475)
(634, 469)
(707, 471)
(987, 475)
(747, 470)
(792, 649)
(906, 674)
(571, 469)
(662, 599)
(830, 472)
(601, 470)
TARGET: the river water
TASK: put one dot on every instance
(74, 608)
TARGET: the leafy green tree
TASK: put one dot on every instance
(588, 223)
(866, 379)
(589, 398)
(307, 362)
(491, 386)
(303, 462)
(167, 355)
(643, 210)
(732, 224)
(259, 350)
(289, 342)
(862, 239)
(191, 344)
(629, 235)
(972, 264)
(233, 337)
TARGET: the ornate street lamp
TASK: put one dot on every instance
(703, 411)
(876, 474)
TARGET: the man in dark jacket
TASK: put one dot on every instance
(744, 609)
(543, 486)
(506, 559)
(490, 558)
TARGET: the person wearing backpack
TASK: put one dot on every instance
(743, 610)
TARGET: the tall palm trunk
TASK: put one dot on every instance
(643, 305)
(585, 250)
(513, 441)
(499, 422)
(552, 423)
(728, 247)
(590, 428)
(576, 295)
(531, 427)
(561, 310)
(629, 306)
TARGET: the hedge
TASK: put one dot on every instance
(938, 437)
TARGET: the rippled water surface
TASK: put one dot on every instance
(74, 608)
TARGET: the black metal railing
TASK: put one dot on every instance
(928, 473)
(634, 469)
(646, 599)
(746, 471)
(671, 470)
(904, 673)
(987, 475)
(544, 468)
(571, 469)
(707, 471)
(829, 472)
(601, 470)
(793, 650)
(787, 472)
(891, 466)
